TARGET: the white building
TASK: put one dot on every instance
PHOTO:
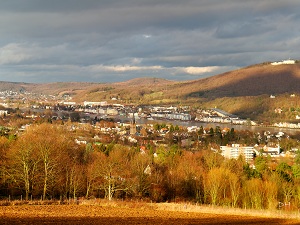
(111, 111)
(235, 150)
(86, 103)
(289, 61)
(69, 103)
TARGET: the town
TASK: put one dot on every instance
(139, 125)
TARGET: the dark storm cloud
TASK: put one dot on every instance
(107, 40)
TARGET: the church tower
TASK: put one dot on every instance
(132, 126)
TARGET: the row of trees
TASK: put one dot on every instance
(45, 161)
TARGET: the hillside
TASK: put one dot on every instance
(250, 81)
(244, 91)
(15, 86)
(46, 88)
(138, 91)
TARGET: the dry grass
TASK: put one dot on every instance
(187, 207)
(175, 207)
(100, 211)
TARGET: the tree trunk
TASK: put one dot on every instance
(26, 181)
(45, 180)
(110, 191)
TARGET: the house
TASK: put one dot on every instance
(79, 142)
(193, 129)
(272, 150)
(278, 110)
(147, 170)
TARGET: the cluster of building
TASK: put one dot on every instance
(22, 96)
(150, 112)
(234, 151)
(170, 113)
(219, 116)
(51, 102)
(287, 125)
(272, 149)
(8, 94)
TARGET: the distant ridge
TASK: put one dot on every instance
(14, 86)
(145, 81)
(253, 80)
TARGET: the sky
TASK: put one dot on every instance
(117, 40)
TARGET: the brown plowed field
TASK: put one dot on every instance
(107, 214)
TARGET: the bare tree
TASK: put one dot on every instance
(287, 189)
(23, 165)
(141, 171)
(50, 143)
(214, 184)
(271, 193)
(5, 145)
(113, 171)
(76, 178)
(254, 193)
(235, 187)
(36, 156)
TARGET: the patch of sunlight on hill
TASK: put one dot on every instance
(164, 101)
(154, 95)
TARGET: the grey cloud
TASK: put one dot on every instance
(63, 39)
(246, 29)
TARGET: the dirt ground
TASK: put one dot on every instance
(97, 214)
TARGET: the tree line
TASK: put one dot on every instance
(45, 162)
